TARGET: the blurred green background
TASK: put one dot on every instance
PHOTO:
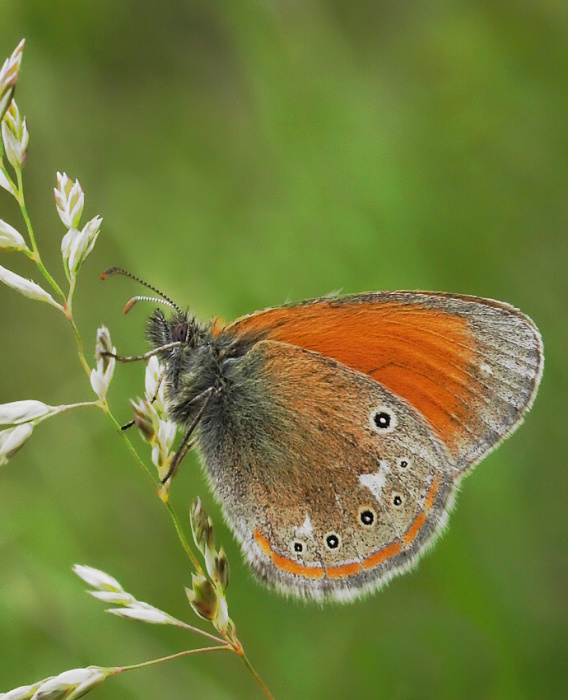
(242, 155)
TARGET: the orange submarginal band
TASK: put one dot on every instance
(294, 568)
(343, 570)
(382, 555)
(414, 528)
(346, 570)
(420, 519)
(432, 493)
(286, 564)
(263, 543)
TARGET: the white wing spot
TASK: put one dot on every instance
(376, 482)
(486, 369)
(306, 530)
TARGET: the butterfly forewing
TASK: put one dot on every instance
(470, 366)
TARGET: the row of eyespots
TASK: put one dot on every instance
(383, 420)
(366, 517)
(331, 540)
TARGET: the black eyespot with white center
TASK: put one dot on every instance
(298, 547)
(397, 500)
(383, 420)
(366, 516)
(404, 462)
(332, 541)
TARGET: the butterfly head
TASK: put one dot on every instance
(180, 328)
(176, 338)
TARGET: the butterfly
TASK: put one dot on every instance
(335, 432)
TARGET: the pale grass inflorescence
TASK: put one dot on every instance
(18, 419)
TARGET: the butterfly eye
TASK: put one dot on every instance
(179, 332)
(404, 462)
(332, 540)
(383, 420)
(397, 500)
(298, 546)
(367, 516)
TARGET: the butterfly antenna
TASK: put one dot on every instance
(156, 300)
(163, 298)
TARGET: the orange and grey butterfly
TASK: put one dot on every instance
(335, 432)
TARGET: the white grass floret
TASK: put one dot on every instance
(15, 136)
(27, 287)
(23, 411)
(101, 376)
(70, 684)
(10, 239)
(152, 377)
(113, 597)
(144, 613)
(9, 76)
(12, 439)
(69, 199)
(5, 184)
(23, 692)
(97, 578)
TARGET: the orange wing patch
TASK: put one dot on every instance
(418, 352)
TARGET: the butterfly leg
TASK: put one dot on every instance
(187, 443)
(130, 423)
(145, 356)
(176, 461)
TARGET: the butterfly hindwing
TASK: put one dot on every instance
(332, 483)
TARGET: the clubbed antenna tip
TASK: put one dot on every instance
(114, 271)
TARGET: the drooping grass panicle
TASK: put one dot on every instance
(18, 419)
